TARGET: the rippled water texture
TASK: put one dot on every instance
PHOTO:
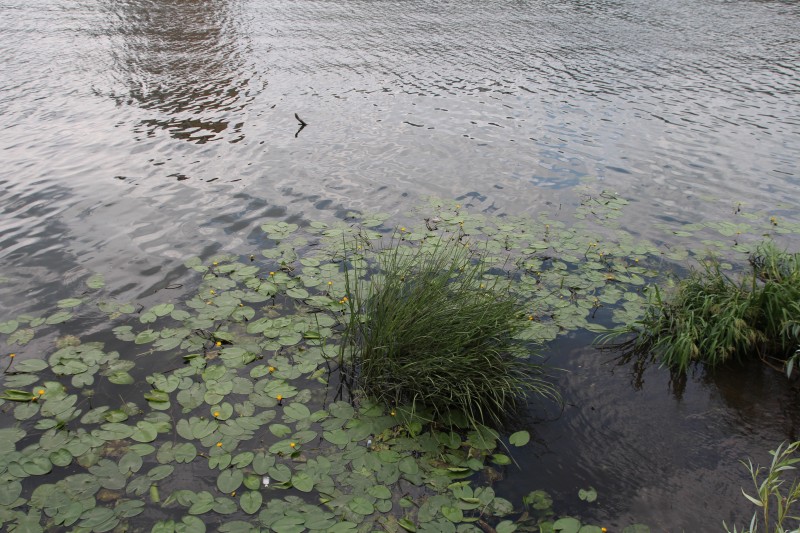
(136, 133)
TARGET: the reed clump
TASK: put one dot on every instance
(430, 328)
(713, 318)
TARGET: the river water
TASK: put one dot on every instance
(137, 133)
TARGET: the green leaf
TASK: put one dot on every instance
(146, 336)
(296, 411)
(162, 309)
(144, 432)
(230, 480)
(302, 482)
(380, 491)
(69, 303)
(506, 526)
(202, 504)
(567, 525)
(185, 453)
(520, 438)
(30, 365)
(297, 293)
(454, 514)
(407, 524)
(160, 472)
(21, 336)
(8, 327)
(636, 528)
(14, 395)
(337, 436)
(501, 459)
(25, 411)
(588, 495)
(280, 430)
(280, 473)
(58, 318)
(9, 492)
(99, 519)
(361, 505)
(121, 378)
(60, 457)
(95, 281)
(250, 501)
(108, 474)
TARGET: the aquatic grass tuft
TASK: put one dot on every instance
(713, 318)
(431, 328)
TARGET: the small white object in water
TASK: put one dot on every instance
(369, 443)
(265, 481)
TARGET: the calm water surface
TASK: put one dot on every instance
(136, 133)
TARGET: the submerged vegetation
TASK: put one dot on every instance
(332, 383)
(714, 318)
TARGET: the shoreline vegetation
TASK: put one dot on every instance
(715, 318)
(354, 376)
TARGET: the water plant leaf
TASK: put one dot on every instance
(68, 303)
(361, 505)
(302, 482)
(144, 432)
(506, 526)
(95, 281)
(296, 411)
(99, 519)
(588, 495)
(25, 411)
(202, 503)
(8, 327)
(58, 318)
(21, 336)
(280, 473)
(230, 480)
(380, 491)
(15, 395)
(160, 472)
(407, 524)
(520, 438)
(636, 528)
(250, 501)
(280, 430)
(10, 490)
(338, 437)
(108, 474)
(567, 525)
(145, 337)
(501, 459)
(454, 514)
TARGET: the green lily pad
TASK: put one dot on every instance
(520, 438)
(251, 501)
(230, 480)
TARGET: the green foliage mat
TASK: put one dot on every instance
(213, 411)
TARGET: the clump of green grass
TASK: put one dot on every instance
(431, 329)
(713, 318)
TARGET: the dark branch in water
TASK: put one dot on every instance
(302, 124)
